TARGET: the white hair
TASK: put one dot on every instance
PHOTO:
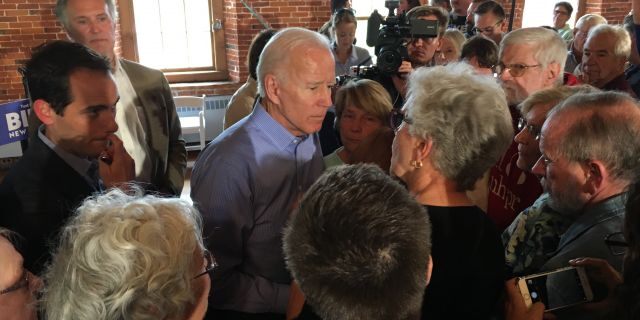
(277, 54)
(591, 19)
(547, 46)
(465, 115)
(622, 47)
(125, 257)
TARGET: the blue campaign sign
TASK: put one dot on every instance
(13, 121)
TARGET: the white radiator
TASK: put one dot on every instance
(215, 107)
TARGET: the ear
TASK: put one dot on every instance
(422, 148)
(429, 270)
(595, 173)
(551, 73)
(44, 111)
(503, 26)
(272, 88)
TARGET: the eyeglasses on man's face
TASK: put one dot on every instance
(211, 264)
(488, 29)
(533, 130)
(397, 118)
(515, 70)
(560, 12)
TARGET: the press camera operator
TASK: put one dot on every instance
(421, 43)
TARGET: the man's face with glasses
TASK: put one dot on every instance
(562, 178)
(489, 26)
(521, 74)
(560, 17)
(422, 50)
(528, 135)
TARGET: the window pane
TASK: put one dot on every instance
(540, 13)
(173, 33)
(364, 8)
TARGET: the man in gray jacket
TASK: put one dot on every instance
(146, 114)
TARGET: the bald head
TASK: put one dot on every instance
(602, 126)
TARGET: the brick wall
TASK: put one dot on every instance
(25, 24)
(517, 21)
(613, 10)
(241, 26)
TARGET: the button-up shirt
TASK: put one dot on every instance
(246, 184)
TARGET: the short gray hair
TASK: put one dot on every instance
(277, 54)
(604, 130)
(622, 47)
(125, 256)
(464, 114)
(591, 19)
(553, 95)
(359, 246)
(61, 11)
(548, 47)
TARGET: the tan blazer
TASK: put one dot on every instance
(161, 123)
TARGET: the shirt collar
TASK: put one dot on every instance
(80, 165)
(279, 135)
(352, 55)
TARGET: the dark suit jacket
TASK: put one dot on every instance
(160, 121)
(37, 196)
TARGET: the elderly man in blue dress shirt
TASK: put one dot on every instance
(248, 180)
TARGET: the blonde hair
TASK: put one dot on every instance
(457, 39)
(364, 94)
(125, 257)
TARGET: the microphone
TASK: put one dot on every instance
(373, 28)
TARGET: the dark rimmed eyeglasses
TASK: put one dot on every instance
(616, 243)
(533, 130)
(211, 264)
(23, 282)
(397, 118)
(515, 69)
(488, 29)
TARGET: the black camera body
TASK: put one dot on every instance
(390, 39)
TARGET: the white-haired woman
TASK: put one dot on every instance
(130, 257)
(455, 125)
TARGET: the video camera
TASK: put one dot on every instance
(390, 40)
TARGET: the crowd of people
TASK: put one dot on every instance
(487, 156)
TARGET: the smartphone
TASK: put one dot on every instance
(557, 289)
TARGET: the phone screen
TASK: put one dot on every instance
(544, 288)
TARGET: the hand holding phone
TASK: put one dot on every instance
(515, 308)
(557, 289)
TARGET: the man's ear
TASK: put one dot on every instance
(551, 73)
(272, 88)
(44, 112)
(595, 174)
(503, 27)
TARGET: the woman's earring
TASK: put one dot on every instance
(416, 164)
